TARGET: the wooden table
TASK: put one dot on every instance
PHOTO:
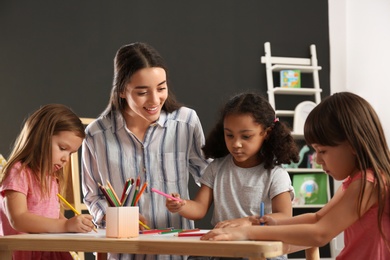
(144, 244)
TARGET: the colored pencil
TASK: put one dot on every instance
(111, 195)
(154, 231)
(140, 193)
(261, 211)
(189, 230)
(143, 224)
(113, 192)
(72, 208)
(137, 184)
(165, 195)
(180, 234)
(127, 183)
(128, 191)
(171, 231)
(106, 195)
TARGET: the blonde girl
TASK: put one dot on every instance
(34, 175)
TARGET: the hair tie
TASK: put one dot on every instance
(276, 119)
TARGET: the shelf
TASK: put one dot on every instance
(297, 136)
(284, 113)
(295, 91)
(275, 64)
(304, 170)
(303, 69)
(308, 206)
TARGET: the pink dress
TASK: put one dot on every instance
(23, 181)
(362, 239)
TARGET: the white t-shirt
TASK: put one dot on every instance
(238, 192)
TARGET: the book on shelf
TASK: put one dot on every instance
(290, 78)
(310, 188)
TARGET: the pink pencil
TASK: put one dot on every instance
(165, 195)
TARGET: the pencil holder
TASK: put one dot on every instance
(122, 222)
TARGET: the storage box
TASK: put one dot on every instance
(290, 78)
(122, 222)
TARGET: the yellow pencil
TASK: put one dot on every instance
(142, 224)
(71, 207)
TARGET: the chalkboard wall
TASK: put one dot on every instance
(62, 51)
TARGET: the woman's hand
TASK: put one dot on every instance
(143, 220)
(238, 222)
(175, 206)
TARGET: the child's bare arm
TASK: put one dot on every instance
(281, 208)
(24, 221)
(192, 209)
(307, 218)
(329, 225)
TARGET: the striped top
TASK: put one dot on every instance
(171, 149)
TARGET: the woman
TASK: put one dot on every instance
(143, 133)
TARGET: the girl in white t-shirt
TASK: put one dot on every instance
(248, 145)
(350, 143)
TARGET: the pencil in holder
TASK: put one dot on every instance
(122, 222)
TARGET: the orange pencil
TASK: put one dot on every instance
(140, 193)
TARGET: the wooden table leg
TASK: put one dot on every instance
(101, 256)
(312, 253)
(5, 255)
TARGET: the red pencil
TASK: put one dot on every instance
(108, 198)
(189, 230)
(154, 231)
(198, 234)
(127, 183)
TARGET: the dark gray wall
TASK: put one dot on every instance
(62, 51)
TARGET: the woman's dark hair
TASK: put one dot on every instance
(278, 148)
(128, 60)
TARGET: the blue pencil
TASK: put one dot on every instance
(261, 211)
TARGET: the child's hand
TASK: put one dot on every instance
(238, 222)
(80, 223)
(266, 220)
(226, 234)
(173, 205)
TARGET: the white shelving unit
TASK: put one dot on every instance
(274, 64)
(305, 65)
